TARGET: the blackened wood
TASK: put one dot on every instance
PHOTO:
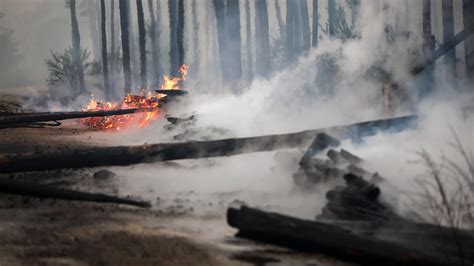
(129, 155)
(59, 116)
(319, 144)
(311, 236)
(49, 192)
(171, 93)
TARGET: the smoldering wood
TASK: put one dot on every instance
(318, 237)
(31, 118)
(49, 192)
(320, 143)
(130, 155)
(172, 93)
(351, 158)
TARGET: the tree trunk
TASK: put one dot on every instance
(132, 47)
(355, 10)
(153, 41)
(315, 32)
(219, 9)
(113, 57)
(125, 45)
(281, 24)
(248, 40)
(234, 41)
(142, 44)
(263, 56)
(173, 15)
(332, 18)
(448, 34)
(428, 44)
(290, 31)
(468, 12)
(93, 14)
(76, 46)
(305, 24)
(180, 34)
(105, 60)
(196, 44)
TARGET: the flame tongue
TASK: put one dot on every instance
(173, 83)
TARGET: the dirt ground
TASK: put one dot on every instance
(53, 232)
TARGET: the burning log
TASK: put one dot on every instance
(44, 191)
(312, 236)
(172, 93)
(8, 121)
(129, 155)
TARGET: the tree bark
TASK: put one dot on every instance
(248, 41)
(154, 48)
(113, 56)
(281, 24)
(315, 31)
(332, 5)
(290, 31)
(196, 44)
(123, 155)
(105, 59)
(234, 41)
(306, 44)
(125, 45)
(448, 34)
(468, 14)
(142, 44)
(180, 34)
(174, 53)
(219, 9)
(263, 52)
(428, 44)
(76, 46)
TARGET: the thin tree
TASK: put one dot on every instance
(142, 44)
(125, 45)
(290, 31)
(303, 11)
(112, 47)
(219, 9)
(448, 34)
(468, 14)
(281, 24)
(173, 14)
(315, 32)
(263, 58)
(332, 6)
(195, 38)
(105, 61)
(248, 40)
(180, 33)
(428, 42)
(234, 40)
(154, 47)
(76, 48)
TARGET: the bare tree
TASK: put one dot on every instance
(248, 41)
(332, 6)
(105, 61)
(234, 40)
(76, 48)
(219, 9)
(429, 43)
(263, 58)
(303, 12)
(173, 15)
(154, 47)
(180, 33)
(125, 45)
(113, 56)
(142, 43)
(448, 34)
(468, 14)
(315, 32)
(196, 44)
(281, 24)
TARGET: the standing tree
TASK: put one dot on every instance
(468, 14)
(332, 19)
(219, 9)
(303, 14)
(113, 57)
(105, 67)
(281, 24)
(248, 40)
(76, 48)
(291, 28)
(448, 34)
(428, 42)
(180, 33)
(234, 41)
(263, 58)
(173, 14)
(93, 11)
(125, 45)
(195, 38)
(142, 44)
(315, 32)
(154, 44)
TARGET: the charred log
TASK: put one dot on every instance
(49, 192)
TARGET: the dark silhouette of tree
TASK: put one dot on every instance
(263, 58)
(248, 41)
(125, 45)
(142, 44)
(154, 44)
(105, 62)
(332, 19)
(315, 33)
(180, 33)
(132, 47)
(234, 72)
(113, 56)
(195, 38)
(428, 42)
(303, 6)
(448, 34)
(76, 49)
(173, 15)
(468, 14)
(291, 28)
(219, 9)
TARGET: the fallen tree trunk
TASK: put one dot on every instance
(129, 155)
(45, 191)
(9, 121)
(323, 238)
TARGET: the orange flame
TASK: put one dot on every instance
(173, 83)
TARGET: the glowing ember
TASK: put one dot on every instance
(131, 101)
(173, 83)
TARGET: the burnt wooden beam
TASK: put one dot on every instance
(130, 155)
(8, 121)
(49, 192)
(317, 237)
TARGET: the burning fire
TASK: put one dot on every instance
(145, 100)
